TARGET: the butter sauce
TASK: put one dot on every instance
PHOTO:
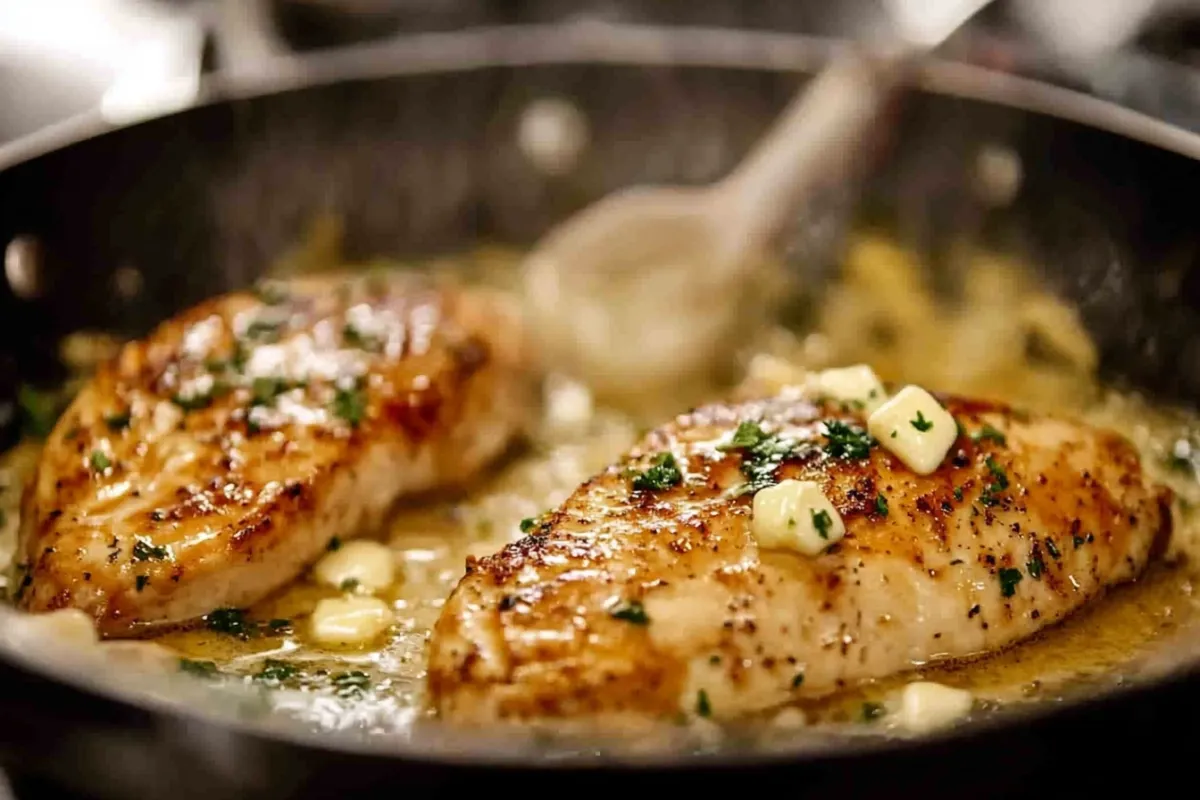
(379, 688)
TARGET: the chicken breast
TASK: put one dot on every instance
(208, 464)
(644, 596)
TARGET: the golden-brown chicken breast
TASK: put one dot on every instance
(209, 463)
(649, 593)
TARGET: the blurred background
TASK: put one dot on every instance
(128, 58)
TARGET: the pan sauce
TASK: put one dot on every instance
(1003, 338)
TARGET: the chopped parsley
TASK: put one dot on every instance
(353, 337)
(537, 525)
(662, 474)
(140, 581)
(998, 473)
(194, 401)
(881, 505)
(99, 461)
(872, 711)
(351, 684)
(335, 543)
(1052, 548)
(988, 432)
(1035, 566)
(920, 423)
(633, 611)
(798, 680)
(203, 669)
(263, 391)
(762, 453)
(117, 422)
(822, 523)
(748, 434)
(1009, 578)
(144, 551)
(233, 622)
(228, 620)
(703, 706)
(999, 484)
(958, 493)
(349, 585)
(847, 441)
(350, 405)
(275, 672)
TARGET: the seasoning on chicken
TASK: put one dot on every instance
(666, 584)
(209, 463)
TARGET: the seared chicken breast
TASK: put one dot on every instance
(647, 592)
(208, 464)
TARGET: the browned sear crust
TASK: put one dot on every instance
(628, 602)
(210, 462)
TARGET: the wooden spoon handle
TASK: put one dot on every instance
(817, 139)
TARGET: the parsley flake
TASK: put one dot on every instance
(263, 391)
(144, 551)
(141, 581)
(275, 672)
(797, 680)
(662, 474)
(231, 621)
(117, 422)
(881, 505)
(349, 585)
(1052, 548)
(1034, 566)
(633, 612)
(920, 423)
(998, 473)
(748, 434)
(1009, 578)
(99, 461)
(872, 711)
(353, 337)
(350, 684)
(988, 432)
(847, 441)
(822, 523)
(335, 543)
(703, 706)
(350, 405)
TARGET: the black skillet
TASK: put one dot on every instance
(414, 149)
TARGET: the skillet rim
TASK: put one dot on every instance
(594, 42)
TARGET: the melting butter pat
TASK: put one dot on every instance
(926, 706)
(795, 515)
(857, 384)
(915, 428)
(349, 621)
(361, 564)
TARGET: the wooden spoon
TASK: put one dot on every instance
(654, 287)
